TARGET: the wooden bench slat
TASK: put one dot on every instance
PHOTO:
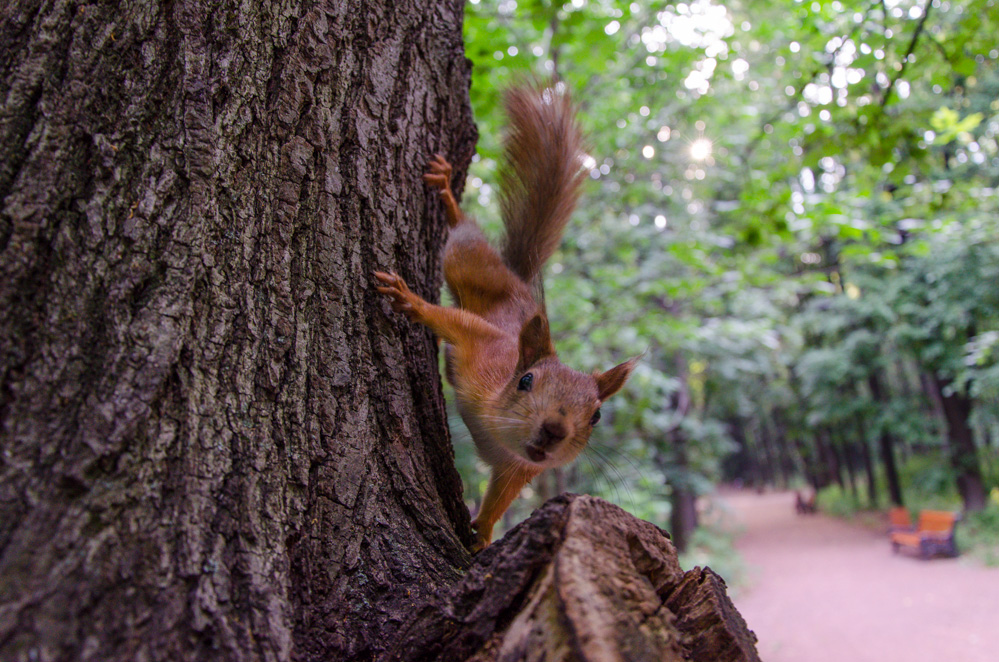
(934, 534)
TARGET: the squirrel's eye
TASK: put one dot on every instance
(525, 382)
(595, 417)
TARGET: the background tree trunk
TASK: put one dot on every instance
(961, 445)
(886, 443)
(217, 441)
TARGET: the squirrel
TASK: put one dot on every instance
(526, 410)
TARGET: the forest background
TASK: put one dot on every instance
(792, 212)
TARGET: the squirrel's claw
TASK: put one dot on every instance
(440, 172)
(400, 296)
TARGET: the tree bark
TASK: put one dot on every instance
(218, 443)
(580, 580)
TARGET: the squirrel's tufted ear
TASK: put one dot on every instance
(610, 382)
(535, 342)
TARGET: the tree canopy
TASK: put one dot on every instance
(792, 211)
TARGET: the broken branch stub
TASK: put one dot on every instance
(580, 580)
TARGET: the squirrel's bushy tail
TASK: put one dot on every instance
(540, 175)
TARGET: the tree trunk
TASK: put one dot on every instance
(830, 458)
(886, 443)
(683, 512)
(773, 451)
(218, 443)
(791, 462)
(741, 464)
(961, 444)
(841, 449)
(865, 451)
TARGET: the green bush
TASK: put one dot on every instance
(978, 533)
(838, 502)
(713, 546)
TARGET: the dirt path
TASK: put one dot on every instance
(822, 590)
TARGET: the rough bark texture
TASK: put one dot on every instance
(580, 580)
(217, 441)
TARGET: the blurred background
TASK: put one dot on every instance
(792, 210)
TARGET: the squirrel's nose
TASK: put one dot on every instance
(552, 432)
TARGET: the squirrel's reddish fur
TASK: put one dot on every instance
(525, 409)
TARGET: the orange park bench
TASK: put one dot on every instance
(933, 535)
(899, 520)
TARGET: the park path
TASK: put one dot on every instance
(824, 590)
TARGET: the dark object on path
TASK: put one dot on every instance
(804, 506)
(934, 535)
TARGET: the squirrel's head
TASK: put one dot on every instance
(549, 409)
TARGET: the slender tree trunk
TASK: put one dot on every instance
(961, 443)
(853, 466)
(832, 461)
(774, 451)
(741, 463)
(886, 443)
(683, 516)
(789, 457)
(936, 409)
(759, 436)
(869, 469)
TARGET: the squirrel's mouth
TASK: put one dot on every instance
(535, 454)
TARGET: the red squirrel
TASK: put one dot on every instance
(526, 410)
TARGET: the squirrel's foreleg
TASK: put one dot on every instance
(456, 326)
(505, 483)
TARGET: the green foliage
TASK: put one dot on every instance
(714, 547)
(979, 532)
(838, 502)
(929, 481)
(787, 201)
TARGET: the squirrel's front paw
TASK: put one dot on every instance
(440, 173)
(402, 299)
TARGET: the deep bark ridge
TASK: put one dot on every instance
(580, 580)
